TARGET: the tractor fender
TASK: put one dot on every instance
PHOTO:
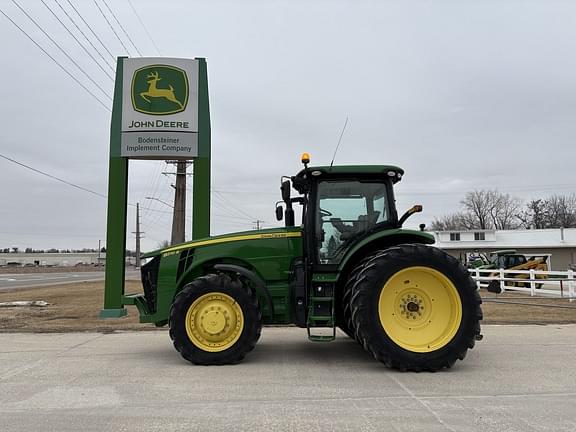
(382, 240)
(253, 277)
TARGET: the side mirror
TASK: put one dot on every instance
(279, 213)
(285, 188)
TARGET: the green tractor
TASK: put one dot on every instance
(350, 264)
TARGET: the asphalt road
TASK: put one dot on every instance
(12, 281)
(520, 378)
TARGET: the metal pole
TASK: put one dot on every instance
(179, 215)
(201, 177)
(137, 264)
(117, 201)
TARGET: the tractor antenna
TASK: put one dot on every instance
(339, 141)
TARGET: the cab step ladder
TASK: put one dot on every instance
(321, 323)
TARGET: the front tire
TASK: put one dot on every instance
(215, 320)
(414, 307)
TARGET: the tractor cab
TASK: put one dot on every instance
(341, 205)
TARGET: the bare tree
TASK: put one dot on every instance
(561, 211)
(534, 217)
(490, 209)
(479, 206)
(450, 222)
(556, 211)
(505, 211)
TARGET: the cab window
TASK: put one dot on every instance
(345, 211)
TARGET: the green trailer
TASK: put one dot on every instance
(349, 264)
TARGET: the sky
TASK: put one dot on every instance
(462, 95)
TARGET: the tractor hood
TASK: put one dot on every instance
(228, 238)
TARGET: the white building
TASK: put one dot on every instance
(52, 259)
(560, 243)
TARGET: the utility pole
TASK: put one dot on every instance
(179, 215)
(257, 224)
(138, 234)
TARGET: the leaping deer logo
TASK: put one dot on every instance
(154, 92)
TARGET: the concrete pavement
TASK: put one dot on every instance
(520, 378)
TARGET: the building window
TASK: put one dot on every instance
(454, 236)
(479, 236)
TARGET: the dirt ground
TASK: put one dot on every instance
(73, 307)
(76, 308)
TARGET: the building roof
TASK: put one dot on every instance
(507, 239)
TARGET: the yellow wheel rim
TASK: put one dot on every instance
(420, 309)
(214, 322)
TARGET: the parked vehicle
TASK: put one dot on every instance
(510, 260)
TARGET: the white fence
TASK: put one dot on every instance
(536, 282)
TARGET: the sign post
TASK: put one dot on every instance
(160, 111)
(201, 175)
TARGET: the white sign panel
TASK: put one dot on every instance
(160, 108)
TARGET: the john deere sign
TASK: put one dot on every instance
(149, 96)
(160, 112)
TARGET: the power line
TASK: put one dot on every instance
(245, 191)
(56, 61)
(53, 177)
(258, 221)
(225, 208)
(232, 205)
(144, 27)
(152, 184)
(110, 65)
(62, 50)
(92, 31)
(165, 180)
(159, 211)
(258, 224)
(111, 27)
(235, 218)
(122, 27)
(59, 179)
(76, 39)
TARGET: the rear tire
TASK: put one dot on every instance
(215, 320)
(414, 307)
(345, 319)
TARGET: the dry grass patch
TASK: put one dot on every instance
(518, 308)
(73, 307)
(76, 307)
